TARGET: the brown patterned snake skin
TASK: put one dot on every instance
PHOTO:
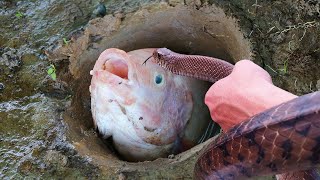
(284, 138)
(200, 67)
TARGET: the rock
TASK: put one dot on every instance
(11, 59)
(100, 10)
(171, 156)
(122, 177)
(277, 38)
(55, 158)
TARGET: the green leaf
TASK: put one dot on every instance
(54, 76)
(19, 14)
(50, 71)
(65, 41)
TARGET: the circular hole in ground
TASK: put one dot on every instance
(206, 31)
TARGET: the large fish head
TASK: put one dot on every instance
(141, 106)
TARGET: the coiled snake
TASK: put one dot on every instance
(285, 138)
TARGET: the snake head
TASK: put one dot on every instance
(161, 55)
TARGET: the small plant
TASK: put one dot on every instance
(19, 15)
(68, 97)
(271, 68)
(284, 69)
(52, 72)
(65, 41)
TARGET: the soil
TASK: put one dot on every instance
(46, 124)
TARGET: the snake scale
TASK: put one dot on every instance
(285, 138)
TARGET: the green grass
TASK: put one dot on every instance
(284, 69)
(52, 72)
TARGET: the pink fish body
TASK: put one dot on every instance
(145, 109)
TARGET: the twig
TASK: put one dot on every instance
(271, 69)
(304, 33)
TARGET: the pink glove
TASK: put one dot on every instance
(247, 91)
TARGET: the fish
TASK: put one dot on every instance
(148, 112)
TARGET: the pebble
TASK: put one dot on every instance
(2, 86)
(100, 10)
(122, 177)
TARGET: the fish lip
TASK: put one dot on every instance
(117, 67)
(115, 63)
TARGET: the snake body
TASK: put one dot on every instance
(200, 67)
(285, 138)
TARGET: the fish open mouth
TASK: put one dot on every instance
(117, 66)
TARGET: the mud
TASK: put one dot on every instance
(284, 37)
(46, 125)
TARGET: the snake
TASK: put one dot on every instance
(282, 139)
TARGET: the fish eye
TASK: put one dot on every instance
(159, 79)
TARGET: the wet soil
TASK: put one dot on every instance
(46, 126)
